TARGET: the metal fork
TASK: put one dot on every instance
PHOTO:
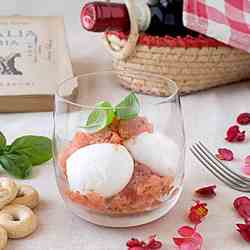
(219, 169)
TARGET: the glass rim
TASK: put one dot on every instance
(64, 82)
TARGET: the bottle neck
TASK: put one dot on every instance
(101, 16)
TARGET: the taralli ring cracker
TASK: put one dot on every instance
(3, 238)
(8, 191)
(27, 196)
(19, 221)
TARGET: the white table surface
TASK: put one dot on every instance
(206, 116)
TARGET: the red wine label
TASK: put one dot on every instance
(33, 55)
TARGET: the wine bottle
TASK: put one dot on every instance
(158, 17)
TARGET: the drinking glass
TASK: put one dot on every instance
(142, 200)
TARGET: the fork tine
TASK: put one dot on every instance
(211, 167)
(219, 165)
(242, 178)
(205, 164)
(219, 170)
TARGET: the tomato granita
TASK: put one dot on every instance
(143, 190)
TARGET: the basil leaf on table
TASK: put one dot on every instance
(16, 165)
(101, 117)
(3, 140)
(128, 108)
(38, 149)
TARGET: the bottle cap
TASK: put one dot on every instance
(101, 16)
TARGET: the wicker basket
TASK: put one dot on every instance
(194, 63)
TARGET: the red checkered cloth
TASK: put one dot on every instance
(225, 20)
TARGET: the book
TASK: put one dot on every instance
(34, 60)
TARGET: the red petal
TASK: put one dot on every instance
(190, 246)
(241, 136)
(244, 211)
(247, 160)
(246, 169)
(135, 242)
(153, 244)
(186, 231)
(207, 191)
(244, 118)
(197, 212)
(198, 238)
(225, 154)
(240, 201)
(234, 134)
(179, 241)
(194, 218)
(136, 248)
(244, 230)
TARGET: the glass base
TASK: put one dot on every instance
(123, 221)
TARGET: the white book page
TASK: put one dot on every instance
(33, 55)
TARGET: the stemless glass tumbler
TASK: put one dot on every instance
(154, 140)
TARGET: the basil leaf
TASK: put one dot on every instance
(16, 165)
(101, 117)
(37, 148)
(128, 108)
(3, 140)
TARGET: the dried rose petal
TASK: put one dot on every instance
(234, 134)
(241, 136)
(208, 191)
(244, 230)
(190, 240)
(247, 160)
(198, 212)
(246, 169)
(244, 118)
(225, 154)
(134, 243)
(241, 201)
(244, 211)
(186, 231)
(153, 244)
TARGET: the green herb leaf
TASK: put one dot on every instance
(3, 140)
(38, 149)
(128, 108)
(16, 165)
(101, 117)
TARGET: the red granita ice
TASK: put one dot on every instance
(244, 230)
(197, 212)
(225, 154)
(243, 118)
(133, 127)
(208, 191)
(234, 134)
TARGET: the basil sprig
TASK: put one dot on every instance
(104, 113)
(25, 152)
(128, 108)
